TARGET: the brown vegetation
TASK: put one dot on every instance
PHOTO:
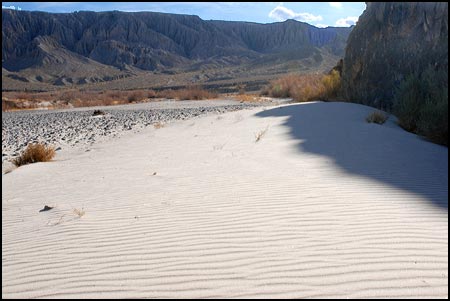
(260, 134)
(35, 152)
(79, 212)
(247, 97)
(377, 117)
(305, 87)
(189, 93)
(158, 125)
(79, 98)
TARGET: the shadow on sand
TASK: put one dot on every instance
(385, 153)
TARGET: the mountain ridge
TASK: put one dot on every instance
(133, 42)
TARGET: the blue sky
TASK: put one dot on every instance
(319, 14)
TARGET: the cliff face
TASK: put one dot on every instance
(390, 42)
(154, 41)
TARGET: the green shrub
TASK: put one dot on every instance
(421, 105)
(407, 104)
(433, 120)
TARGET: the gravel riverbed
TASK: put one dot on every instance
(77, 127)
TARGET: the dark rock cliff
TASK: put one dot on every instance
(391, 41)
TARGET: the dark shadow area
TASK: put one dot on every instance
(385, 153)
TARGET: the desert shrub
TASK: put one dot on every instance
(35, 152)
(331, 85)
(421, 105)
(407, 103)
(167, 93)
(68, 96)
(306, 87)
(433, 119)
(151, 94)
(377, 117)
(8, 105)
(136, 96)
(279, 90)
(189, 93)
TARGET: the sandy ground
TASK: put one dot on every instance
(323, 205)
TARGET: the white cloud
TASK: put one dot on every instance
(281, 13)
(11, 7)
(346, 22)
(321, 25)
(335, 4)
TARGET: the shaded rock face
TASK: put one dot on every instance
(152, 41)
(390, 42)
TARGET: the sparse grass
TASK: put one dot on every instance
(35, 152)
(377, 117)
(7, 171)
(79, 212)
(305, 87)
(260, 134)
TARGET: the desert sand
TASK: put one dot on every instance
(323, 205)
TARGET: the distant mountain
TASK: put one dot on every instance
(87, 46)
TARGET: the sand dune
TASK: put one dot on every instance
(324, 205)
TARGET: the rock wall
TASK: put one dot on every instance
(390, 41)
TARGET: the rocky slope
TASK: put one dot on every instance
(123, 43)
(390, 42)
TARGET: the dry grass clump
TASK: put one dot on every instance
(79, 212)
(377, 117)
(189, 93)
(158, 125)
(152, 94)
(305, 87)
(260, 134)
(331, 85)
(8, 105)
(35, 152)
(136, 96)
(247, 97)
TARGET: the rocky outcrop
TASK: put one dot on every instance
(153, 41)
(391, 41)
